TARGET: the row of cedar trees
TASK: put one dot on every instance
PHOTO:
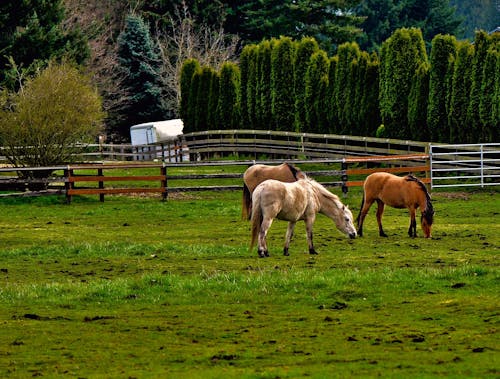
(452, 96)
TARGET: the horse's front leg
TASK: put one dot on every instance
(309, 233)
(367, 203)
(289, 235)
(380, 212)
(412, 230)
(266, 224)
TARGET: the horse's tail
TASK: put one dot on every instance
(246, 203)
(256, 223)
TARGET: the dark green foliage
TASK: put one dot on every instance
(264, 109)
(252, 86)
(401, 55)
(189, 67)
(202, 100)
(370, 104)
(213, 100)
(418, 103)
(481, 45)
(489, 122)
(460, 130)
(228, 110)
(477, 14)
(283, 100)
(316, 82)
(330, 22)
(384, 17)
(344, 91)
(443, 50)
(139, 59)
(331, 105)
(245, 58)
(32, 32)
(305, 48)
(191, 121)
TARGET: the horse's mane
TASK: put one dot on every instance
(325, 192)
(295, 171)
(428, 213)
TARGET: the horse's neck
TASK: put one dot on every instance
(328, 204)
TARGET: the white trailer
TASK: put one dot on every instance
(147, 139)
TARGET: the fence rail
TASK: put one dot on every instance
(465, 165)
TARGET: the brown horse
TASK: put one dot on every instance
(398, 192)
(300, 200)
(257, 173)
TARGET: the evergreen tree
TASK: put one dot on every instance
(481, 45)
(189, 67)
(305, 49)
(401, 55)
(283, 100)
(443, 49)
(244, 73)
(316, 80)
(228, 108)
(190, 124)
(370, 97)
(203, 99)
(264, 94)
(418, 103)
(252, 86)
(489, 123)
(32, 32)
(344, 91)
(213, 101)
(331, 105)
(139, 59)
(460, 130)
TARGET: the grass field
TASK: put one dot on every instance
(139, 288)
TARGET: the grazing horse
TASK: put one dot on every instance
(300, 200)
(257, 173)
(398, 192)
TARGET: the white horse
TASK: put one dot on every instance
(300, 200)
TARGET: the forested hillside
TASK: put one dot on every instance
(134, 51)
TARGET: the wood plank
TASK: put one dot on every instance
(96, 178)
(387, 169)
(106, 191)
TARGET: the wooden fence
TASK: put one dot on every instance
(251, 144)
(95, 179)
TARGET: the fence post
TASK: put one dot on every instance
(101, 185)
(67, 184)
(344, 177)
(163, 183)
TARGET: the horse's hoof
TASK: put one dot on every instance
(262, 254)
(266, 253)
(313, 252)
(286, 253)
(383, 235)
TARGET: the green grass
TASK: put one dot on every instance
(136, 287)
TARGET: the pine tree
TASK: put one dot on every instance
(244, 73)
(213, 101)
(228, 109)
(331, 105)
(401, 55)
(283, 99)
(264, 94)
(316, 80)
(370, 101)
(443, 49)
(306, 47)
(460, 130)
(418, 104)
(488, 121)
(139, 59)
(189, 67)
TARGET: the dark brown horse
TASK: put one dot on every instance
(257, 173)
(398, 192)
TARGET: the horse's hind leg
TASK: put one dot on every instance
(367, 203)
(412, 230)
(309, 232)
(266, 224)
(289, 235)
(380, 212)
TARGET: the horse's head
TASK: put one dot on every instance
(345, 222)
(426, 221)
